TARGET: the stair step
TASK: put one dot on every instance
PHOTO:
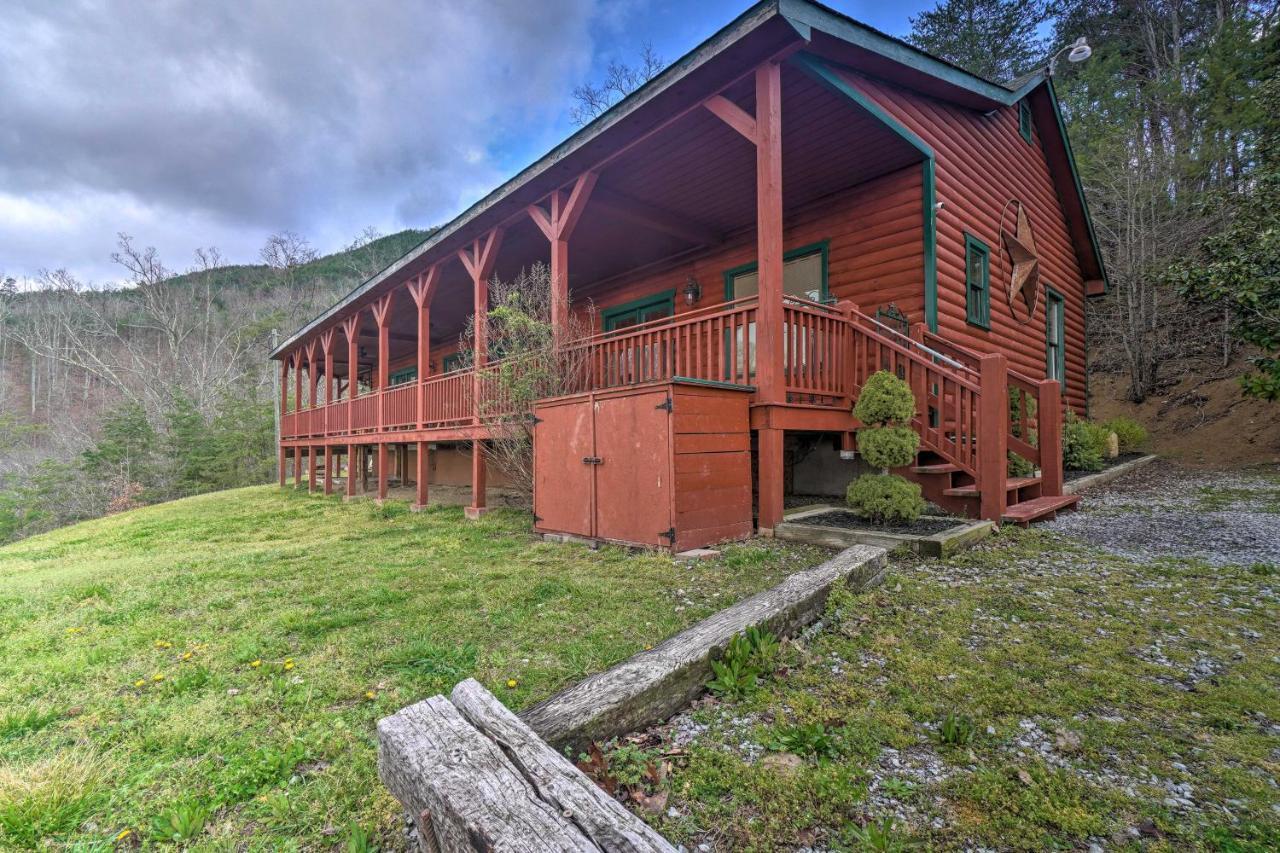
(1037, 508)
(972, 491)
(944, 468)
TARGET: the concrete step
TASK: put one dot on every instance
(1038, 509)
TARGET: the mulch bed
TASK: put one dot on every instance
(1109, 463)
(844, 518)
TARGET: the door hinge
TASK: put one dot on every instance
(537, 519)
(535, 420)
(669, 533)
(665, 405)
(592, 460)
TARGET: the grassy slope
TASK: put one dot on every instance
(1096, 686)
(352, 611)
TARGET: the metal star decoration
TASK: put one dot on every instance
(1021, 246)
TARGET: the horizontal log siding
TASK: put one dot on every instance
(982, 162)
(874, 254)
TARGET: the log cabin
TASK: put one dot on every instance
(798, 202)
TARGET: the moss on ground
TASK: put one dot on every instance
(1030, 694)
(212, 669)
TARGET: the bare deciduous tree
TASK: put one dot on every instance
(620, 80)
(285, 252)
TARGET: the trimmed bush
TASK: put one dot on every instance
(1083, 444)
(888, 447)
(1132, 435)
(885, 400)
(885, 499)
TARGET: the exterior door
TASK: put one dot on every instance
(633, 478)
(562, 483)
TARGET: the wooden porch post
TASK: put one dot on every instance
(312, 375)
(558, 227)
(1049, 416)
(382, 316)
(479, 262)
(422, 292)
(351, 328)
(297, 466)
(297, 383)
(328, 469)
(993, 439)
(326, 344)
(311, 468)
(423, 468)
(764, 130)
(283, 462)
(351, 471)
(382, 471)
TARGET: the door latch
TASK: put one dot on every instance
(592, 460)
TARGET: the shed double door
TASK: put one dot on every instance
(603, 467)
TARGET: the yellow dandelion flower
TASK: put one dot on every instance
(141, 682)
(163, 644)
(159, 676)
(123, 834)
(76, 630)
(186, 655)
(255, 664)
(369, 694)
(511, 683)
(288, 664)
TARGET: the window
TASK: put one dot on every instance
(451, 363)
(1024, 119)
(1055, 349)
(639, 311)
(400, 377)
(804, 274)
(977, 278)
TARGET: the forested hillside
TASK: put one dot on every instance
(159, 386)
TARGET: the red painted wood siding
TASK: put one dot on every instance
(875, 255)
(982, 162)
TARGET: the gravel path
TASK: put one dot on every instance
(1163, 510)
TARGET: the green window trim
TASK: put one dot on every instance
(1024, 119)
(610, 316)
(403, 376)
(977, 294)
(823, 246)
(1055, 361)
(451, 363)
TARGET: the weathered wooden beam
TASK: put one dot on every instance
(599, 816)
(439, 766)
(651, 686)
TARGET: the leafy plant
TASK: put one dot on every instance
(181, 823)
(737, 673)
(885, 499)
(1020, 467)
(631, 765)
(765, 647)
(1131, 434)
(881, 836)
(807, 739)
(956, 730)
(1083, 444)
(897, 788)
(358, 840)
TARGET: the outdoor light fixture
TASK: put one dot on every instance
(1078, 51)
(692, 291)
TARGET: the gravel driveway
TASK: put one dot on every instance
(1164, 510)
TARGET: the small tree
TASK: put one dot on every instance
(885, 408)
(526, 366)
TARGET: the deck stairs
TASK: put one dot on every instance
(949, 382)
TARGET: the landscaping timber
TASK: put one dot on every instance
(963, 534)
(653, 685)
(476, 778)
(1075, 487)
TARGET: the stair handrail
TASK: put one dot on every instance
(914, 344)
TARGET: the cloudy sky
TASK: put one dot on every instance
(190, 123)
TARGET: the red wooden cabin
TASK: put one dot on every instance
(798, 202)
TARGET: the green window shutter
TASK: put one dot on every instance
(977, 279)
(1055, 346)
(1024, 119)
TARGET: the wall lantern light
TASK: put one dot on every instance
(692, 291)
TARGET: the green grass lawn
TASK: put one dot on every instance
(1033, 693)
(214, 667)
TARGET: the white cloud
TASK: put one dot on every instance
(191, 123)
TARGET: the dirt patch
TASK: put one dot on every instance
(849, 521)
(1197, 421)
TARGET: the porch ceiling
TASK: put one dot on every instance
(691, 185)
